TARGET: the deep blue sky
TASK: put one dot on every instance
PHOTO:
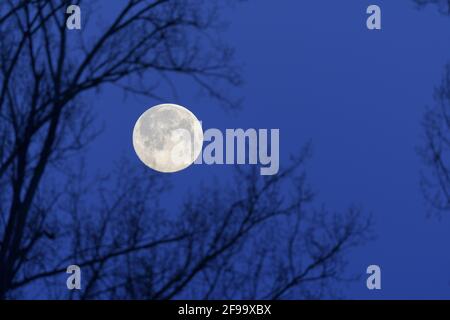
(312, 69)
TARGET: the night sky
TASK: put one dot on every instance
(313, 70)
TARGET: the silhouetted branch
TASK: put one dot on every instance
(436, 150)
(443, 5)
(43, 77)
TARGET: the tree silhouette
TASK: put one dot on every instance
(435, 182)
(443, 5)
(251, 241)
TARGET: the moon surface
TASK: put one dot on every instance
(167, 138)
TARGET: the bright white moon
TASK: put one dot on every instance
(167, 138)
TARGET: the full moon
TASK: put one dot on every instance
(167, 138)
